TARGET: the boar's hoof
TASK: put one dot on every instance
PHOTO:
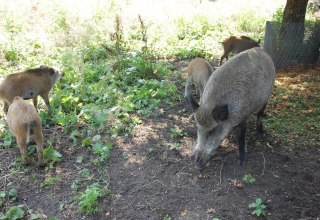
(200, 162)
(242, 158)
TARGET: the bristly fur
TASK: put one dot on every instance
(237, 89)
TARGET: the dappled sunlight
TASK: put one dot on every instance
(294, 106)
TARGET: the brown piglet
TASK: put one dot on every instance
(237, 44)
(28, 85)
(24, 123)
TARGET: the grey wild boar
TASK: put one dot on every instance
(199, 71)
(237, 44)
(234, 91)
(24, 123)
(28, 85)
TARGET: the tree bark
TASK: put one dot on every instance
(295, 11)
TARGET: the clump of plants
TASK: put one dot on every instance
(258, 208)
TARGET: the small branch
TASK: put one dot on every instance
(222, 167)
(269, 146)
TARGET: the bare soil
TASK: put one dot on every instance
(151, 175)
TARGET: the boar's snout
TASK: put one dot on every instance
(200, 159)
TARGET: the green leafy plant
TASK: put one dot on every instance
(75, 186)
(6, 136)
(258, 208)
(176, 132)
(15, 212)
(52, 155)
(248, 178)
(167, 217)
(85, 172)
(88, 199)
(49, 181)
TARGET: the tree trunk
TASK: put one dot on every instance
(295, 11)
(291, 34)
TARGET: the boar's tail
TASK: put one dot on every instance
(30, 129)
(188, 96)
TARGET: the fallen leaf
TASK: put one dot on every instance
(184, 213)
(211, 210)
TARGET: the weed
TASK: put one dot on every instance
(79, 159)
(176, 132)
(49, 181)
(51, 154)
(248, 178)
(167, 217)
(258, 208)
(75, 186)
(85, 173)
(88, 199)
(6, 136)
(15, 212)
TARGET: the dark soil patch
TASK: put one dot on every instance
(151, 175)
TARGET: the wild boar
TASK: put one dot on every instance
(237, 44)
(24, 123)
(28, 85)
(199, 71)
(234, 91)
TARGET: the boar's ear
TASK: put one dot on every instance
(51, 71)
(220, 112)
(193, 104)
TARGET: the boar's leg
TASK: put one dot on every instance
(259, 126)
(21, 141)
(39, 141)
(225, 55)
(35, 102)
(241, 140)
(45, 97)
(5, 107)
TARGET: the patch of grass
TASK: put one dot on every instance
(293, 110)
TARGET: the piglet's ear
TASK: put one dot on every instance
(220, 112)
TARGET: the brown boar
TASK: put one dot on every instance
(199, 71)
(24, 123)
(237, 44)
(28, 85)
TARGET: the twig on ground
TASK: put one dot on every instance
(10, 174)
(221, 168)
(269, 146)
(264, 164)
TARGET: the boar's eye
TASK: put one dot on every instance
(212, 131)
(51, 71)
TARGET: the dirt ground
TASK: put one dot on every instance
(151, 175)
